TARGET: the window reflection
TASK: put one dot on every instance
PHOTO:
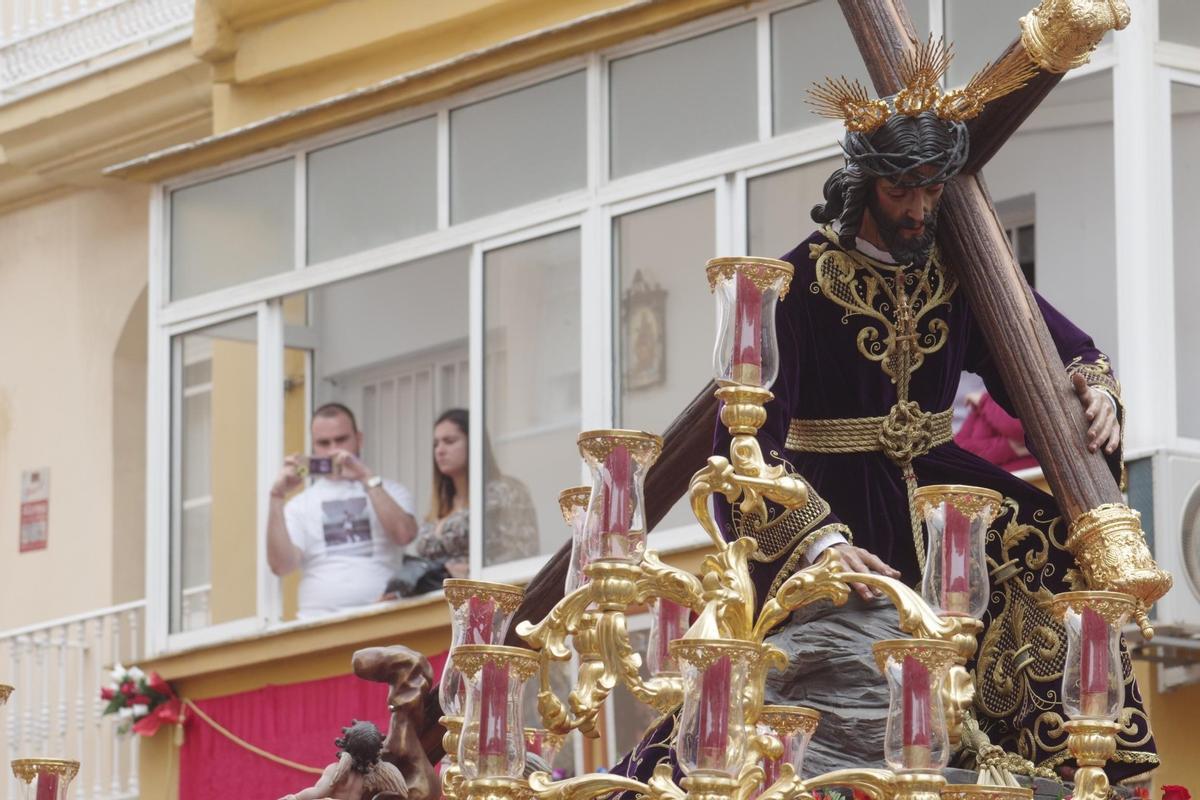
(531, 392)
(391, 348)
(663, 316)
(213, 497)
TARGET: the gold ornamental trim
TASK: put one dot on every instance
(969, 500)
(1060, 35)
(459, 590)
(569, 500)
(552, 739)
(898, 439)
(596, 445)
(764, 273)
(936, 655)
(1112, 554)
(979, 792)
(452, 724)
(26, 769)
(701, 653)
(470, 658)
(5, 692)
(787, 720)
(1115, 607)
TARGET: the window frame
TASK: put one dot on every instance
(591, 209)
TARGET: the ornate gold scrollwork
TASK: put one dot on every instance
(1092, 743)
(1111, 551)
(1061, 34)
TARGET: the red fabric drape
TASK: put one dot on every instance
(298, 721)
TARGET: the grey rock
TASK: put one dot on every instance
(831, 669)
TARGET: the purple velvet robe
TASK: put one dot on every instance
(825, 373)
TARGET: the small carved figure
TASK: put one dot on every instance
(411, 678)
(358, 773)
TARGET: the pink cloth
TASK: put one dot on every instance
(298, 721)
(990, 433)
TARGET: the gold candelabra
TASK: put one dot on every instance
(726, 733)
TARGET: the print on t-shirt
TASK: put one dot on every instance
(346, 522)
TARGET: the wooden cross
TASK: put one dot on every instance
(972, 242)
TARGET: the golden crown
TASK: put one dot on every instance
(921, 71)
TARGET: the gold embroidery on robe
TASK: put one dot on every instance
(897, 300)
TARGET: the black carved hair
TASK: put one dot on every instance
(895, 151)
(362, 741)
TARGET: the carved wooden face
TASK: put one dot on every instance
(902, 217)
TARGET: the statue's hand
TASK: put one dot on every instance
(857, 559)
(1104, 430)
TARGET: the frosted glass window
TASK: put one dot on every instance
(980, 30)
(519, 147)
(810, 42)
(214, 487)
(1185, 180)
(665, 316)
(372, 190)
(531, 393)
(778, 206)
(232, 230)
(1061, 158)
(683, 100)
(1179, 21)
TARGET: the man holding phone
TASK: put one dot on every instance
(347, 529)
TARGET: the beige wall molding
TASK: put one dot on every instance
(59, 140)
(439, 74)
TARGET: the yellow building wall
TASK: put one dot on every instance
(234, 480)
(1173, 716)
(71, 272)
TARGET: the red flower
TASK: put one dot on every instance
(1141, 792)
(128, 688)
(108, 693)
(155, 682)
(1171, 792)
(170, 712)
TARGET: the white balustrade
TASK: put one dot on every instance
(45, 42)
(58, 669)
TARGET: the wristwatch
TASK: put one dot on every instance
(373, 481)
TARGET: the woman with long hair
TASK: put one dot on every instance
(511, 525)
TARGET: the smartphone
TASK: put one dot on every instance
(320, 465)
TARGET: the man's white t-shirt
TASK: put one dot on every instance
(347, 556)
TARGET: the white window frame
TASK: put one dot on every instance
(590, 208)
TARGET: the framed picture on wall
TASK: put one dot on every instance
(644, 334)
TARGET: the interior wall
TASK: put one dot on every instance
(129, 458)
(70, 271)
(1069, 169)
(234, 483)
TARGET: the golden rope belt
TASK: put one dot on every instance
(904, 434)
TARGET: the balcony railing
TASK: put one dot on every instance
(46, 42)
(58, 669)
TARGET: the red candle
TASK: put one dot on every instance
(493, 720)
(747, 331)
(480, 613)
(1093, 679)
(956, 561)
(713, 717)
(670, 623)
(771, 767)
(47, 786)
(618, 510)
(916, 714)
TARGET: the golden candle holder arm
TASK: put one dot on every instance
(829, 579)
(562, 621)
(1092, 743)
(663, 693)
(878, 784)
(659, 581)
(585, 787)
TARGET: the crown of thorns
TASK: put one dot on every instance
(921, 72)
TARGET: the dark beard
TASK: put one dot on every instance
(904, 250)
